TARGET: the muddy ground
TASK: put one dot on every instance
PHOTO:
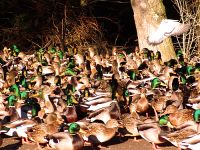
(11, 143)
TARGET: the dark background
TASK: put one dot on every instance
(21, 20)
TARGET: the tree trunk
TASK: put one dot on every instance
(198, 27)
(147, 15)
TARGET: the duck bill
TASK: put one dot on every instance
(82, 131)
(34, 95)
(163, 84)
(170, 125)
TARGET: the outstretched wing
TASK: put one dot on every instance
(166, 29)
(180, 29)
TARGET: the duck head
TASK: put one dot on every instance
(57, 80)
(14, 88)
(132, 75)
(60, 54)
(11, 100)
(40, 54)
(14, 50)
(74, 128)
(148, 54)
(163, 120)
(156, 82)
(196, 115)
(71, 100)
(39, 70)
(35, 106)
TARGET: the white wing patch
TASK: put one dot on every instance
(166, 29)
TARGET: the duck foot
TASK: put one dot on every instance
(198, 128)
(179, 147)
(26, 141)
(120, 137)
(38, 146)
(47, 147)
(86, 143)
(135, 139)
(156, 114)
(155, 147)
(102, 147)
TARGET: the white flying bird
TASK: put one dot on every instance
(167, 28)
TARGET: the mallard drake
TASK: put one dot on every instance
(67, 140)
(19, 109)
(182, 135)
(97, 133)
(33, 106)
(22, 82)
(180, 117)
(194, 106)
(15, 50)
(60, 53)
(94, 100)
(105, 114)
(16, 91)
(91, 102)
(156, 82)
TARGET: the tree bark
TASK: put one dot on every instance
(198, 27)
(147, 15)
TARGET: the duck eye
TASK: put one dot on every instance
(55, 140)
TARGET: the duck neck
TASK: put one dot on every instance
(48, 104)
(38, 81)
(16, 91)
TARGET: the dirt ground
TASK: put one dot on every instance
(11, 143)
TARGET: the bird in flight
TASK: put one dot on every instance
(167, 28)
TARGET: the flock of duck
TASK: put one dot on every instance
(67, 101)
